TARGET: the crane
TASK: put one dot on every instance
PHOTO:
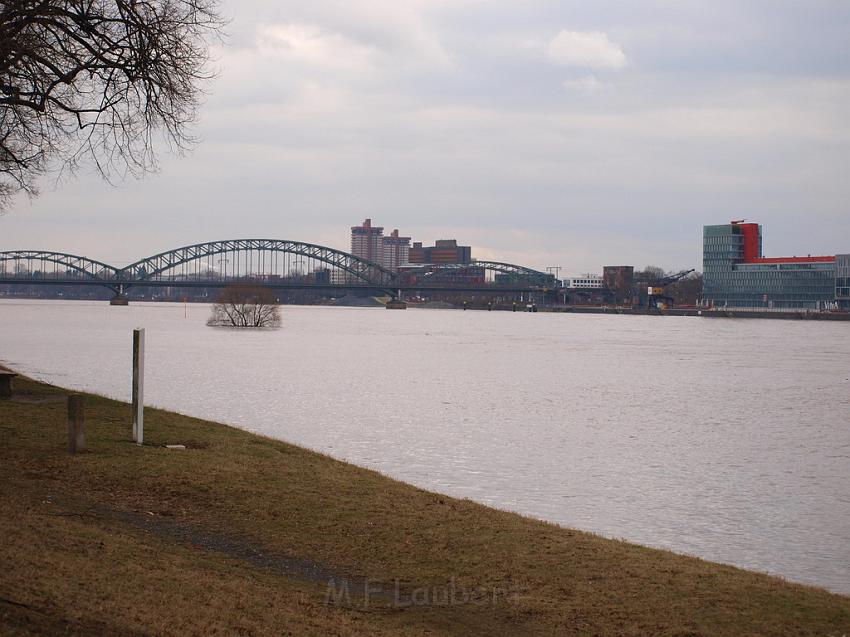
(648, 291)
(655, 292)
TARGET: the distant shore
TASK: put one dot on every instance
(788, 315)
(791, 315)
(240, 533)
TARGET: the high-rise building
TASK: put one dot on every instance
(736, 274)
(367, 242)
(396, 251)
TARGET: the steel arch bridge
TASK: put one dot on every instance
(251, 257)
(518, 272)
(18, 266)
(509, 273)
(273, 262)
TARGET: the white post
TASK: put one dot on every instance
(138, 385)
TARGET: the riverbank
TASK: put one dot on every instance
(241, 534)
(789, 315)
(792, 315)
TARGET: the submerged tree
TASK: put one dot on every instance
(245, 306)
(95, 80)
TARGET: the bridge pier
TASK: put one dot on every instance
(120, 297)
(397, 302)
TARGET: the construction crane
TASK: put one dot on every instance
(655, 291)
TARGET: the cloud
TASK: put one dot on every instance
(311, 45)
(590, 49)
(587, 85)
(466, 119)
(398, 30)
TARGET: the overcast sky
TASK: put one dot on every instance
(545, 132)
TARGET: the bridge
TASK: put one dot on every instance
(274, 263)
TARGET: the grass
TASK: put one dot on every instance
(239, 535)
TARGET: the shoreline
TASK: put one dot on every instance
(793, 315)
(790, 315)
(287, 518)
(787, 315)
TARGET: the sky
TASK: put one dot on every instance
(541, 132)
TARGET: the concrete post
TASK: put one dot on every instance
(138, 385)
(76, 423)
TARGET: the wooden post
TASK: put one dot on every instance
(76, 423)
(138, 385)
(6, 383)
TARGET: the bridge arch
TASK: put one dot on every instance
(255, 253)
(516, 270)
(96, 271)
(512, 270)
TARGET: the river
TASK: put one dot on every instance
(725, 439)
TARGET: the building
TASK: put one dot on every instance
(842, 281)
(448, 251)
(443, 251)
(417, 253)
(339, 277)
(367, 242)
(620, 280)
(396, 251)
(737, 275)
(584, 282)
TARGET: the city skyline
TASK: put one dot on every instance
(377, 249)
(586, 135)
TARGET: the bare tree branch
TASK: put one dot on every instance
(245, 306)
(95, 80)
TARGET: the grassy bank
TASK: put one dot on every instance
(239, 534)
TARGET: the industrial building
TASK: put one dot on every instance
(737, 275)
(619, 279)
(443, 251)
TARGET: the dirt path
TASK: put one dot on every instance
(165, 527)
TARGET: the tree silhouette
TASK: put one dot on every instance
(245, 306)
(97, 80)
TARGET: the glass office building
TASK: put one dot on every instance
(737, 275)
(842, 281)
